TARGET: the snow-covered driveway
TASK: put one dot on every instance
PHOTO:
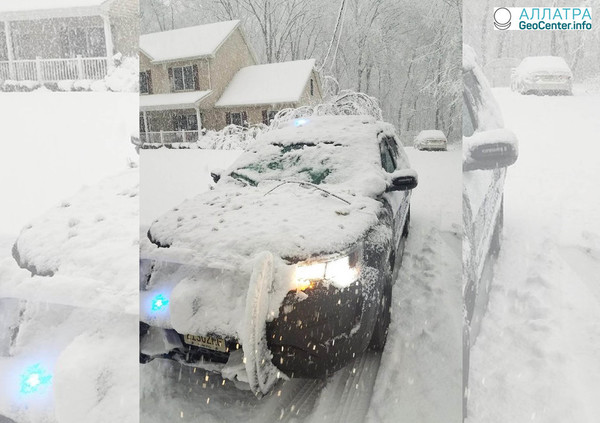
(537, 356)
(418, 377)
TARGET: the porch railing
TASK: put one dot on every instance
(54, 70)
(169, 137)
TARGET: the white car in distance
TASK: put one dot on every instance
(431, 139)
(542, 75)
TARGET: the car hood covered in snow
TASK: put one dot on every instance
(300, 192)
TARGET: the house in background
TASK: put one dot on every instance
(206, 76)
(57, 40)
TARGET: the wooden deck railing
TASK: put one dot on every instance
(54, 70)
(169, 137)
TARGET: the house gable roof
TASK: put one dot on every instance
(268, 84)
(186, 43)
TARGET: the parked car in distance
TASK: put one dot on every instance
(431, 139)
(542, 75)
(488, 149)
(309, 227)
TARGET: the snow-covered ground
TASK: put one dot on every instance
(68, 342)
(421, 364)
(536, 357)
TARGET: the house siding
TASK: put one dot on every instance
(124, 19)
(233, 55)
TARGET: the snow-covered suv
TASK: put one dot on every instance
(488, 148)
(286, 267)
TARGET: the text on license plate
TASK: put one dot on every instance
(209, 342)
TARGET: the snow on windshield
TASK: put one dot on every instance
(302, 162)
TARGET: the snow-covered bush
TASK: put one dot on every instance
(346, 103)
(234, 137)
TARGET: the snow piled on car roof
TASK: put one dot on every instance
(430, 134)
(547, 64)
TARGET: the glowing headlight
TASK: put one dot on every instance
(34, 379)
(159, 302)
(300, 122)
(341, 272)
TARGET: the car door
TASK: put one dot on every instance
(391, 160)
(482, 196)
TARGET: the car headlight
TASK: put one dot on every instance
(340, 271)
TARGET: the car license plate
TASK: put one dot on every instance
(209, 342)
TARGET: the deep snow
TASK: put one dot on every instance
(536, 357)
(421, 363)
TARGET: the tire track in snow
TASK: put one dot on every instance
(347, 395)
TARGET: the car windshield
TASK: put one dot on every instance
(302, 162)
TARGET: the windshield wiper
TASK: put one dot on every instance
(243, 178)
(303, 184)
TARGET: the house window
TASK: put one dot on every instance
(185, 122)
(236, 118)
(183, 78)
(142, 124)
(3, 49)
(312, 87)
(88, 42)
(268, 116)
(145, 82)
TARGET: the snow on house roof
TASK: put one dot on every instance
(186, 43)
(13, 8)
(268, 84)
(186, 100)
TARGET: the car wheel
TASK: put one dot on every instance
(497, 236)
(382, 324)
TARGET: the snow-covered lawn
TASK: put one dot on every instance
(68, 342)
(421, 365)
(536, 357)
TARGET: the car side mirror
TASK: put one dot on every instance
(490, 150)
(216, 175)
(402, 180)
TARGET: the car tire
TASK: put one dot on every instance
(384, 316)
(497, 236)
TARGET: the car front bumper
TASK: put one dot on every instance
(314, 335)
(548, 86)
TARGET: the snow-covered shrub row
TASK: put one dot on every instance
(121, 77)
(346, 103)
(232, 137)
